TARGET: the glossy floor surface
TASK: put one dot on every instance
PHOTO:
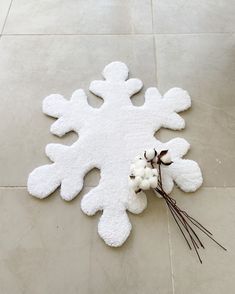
(46, 47)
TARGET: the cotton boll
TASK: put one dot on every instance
(134, 183)
(138, 180)
(155, 172)
(148, 172)
(166, 158)
(139, 172)
(153, 182)
(141, 163)
(150, 154)
(144, 185)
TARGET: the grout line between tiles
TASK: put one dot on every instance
(82, 35)
(196, 33)
(170, 253)
(120, 34)
(154, 43)
(155, 59)
(3, 27)
(12, 187)
(152, 22)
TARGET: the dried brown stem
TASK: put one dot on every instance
(184, 221)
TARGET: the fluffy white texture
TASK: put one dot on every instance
(109, 138)
(134, 183)
(166, 158)
(150, 154)
(142, 177)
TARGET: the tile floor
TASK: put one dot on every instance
(48, 46)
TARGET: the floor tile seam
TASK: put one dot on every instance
(5, 20)
(120, 34)
(170, 252)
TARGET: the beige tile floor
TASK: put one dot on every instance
(48, 46)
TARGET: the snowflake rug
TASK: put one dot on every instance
(109, 138)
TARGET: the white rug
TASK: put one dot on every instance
(109, 138)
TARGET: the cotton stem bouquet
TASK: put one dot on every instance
(145, 174)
